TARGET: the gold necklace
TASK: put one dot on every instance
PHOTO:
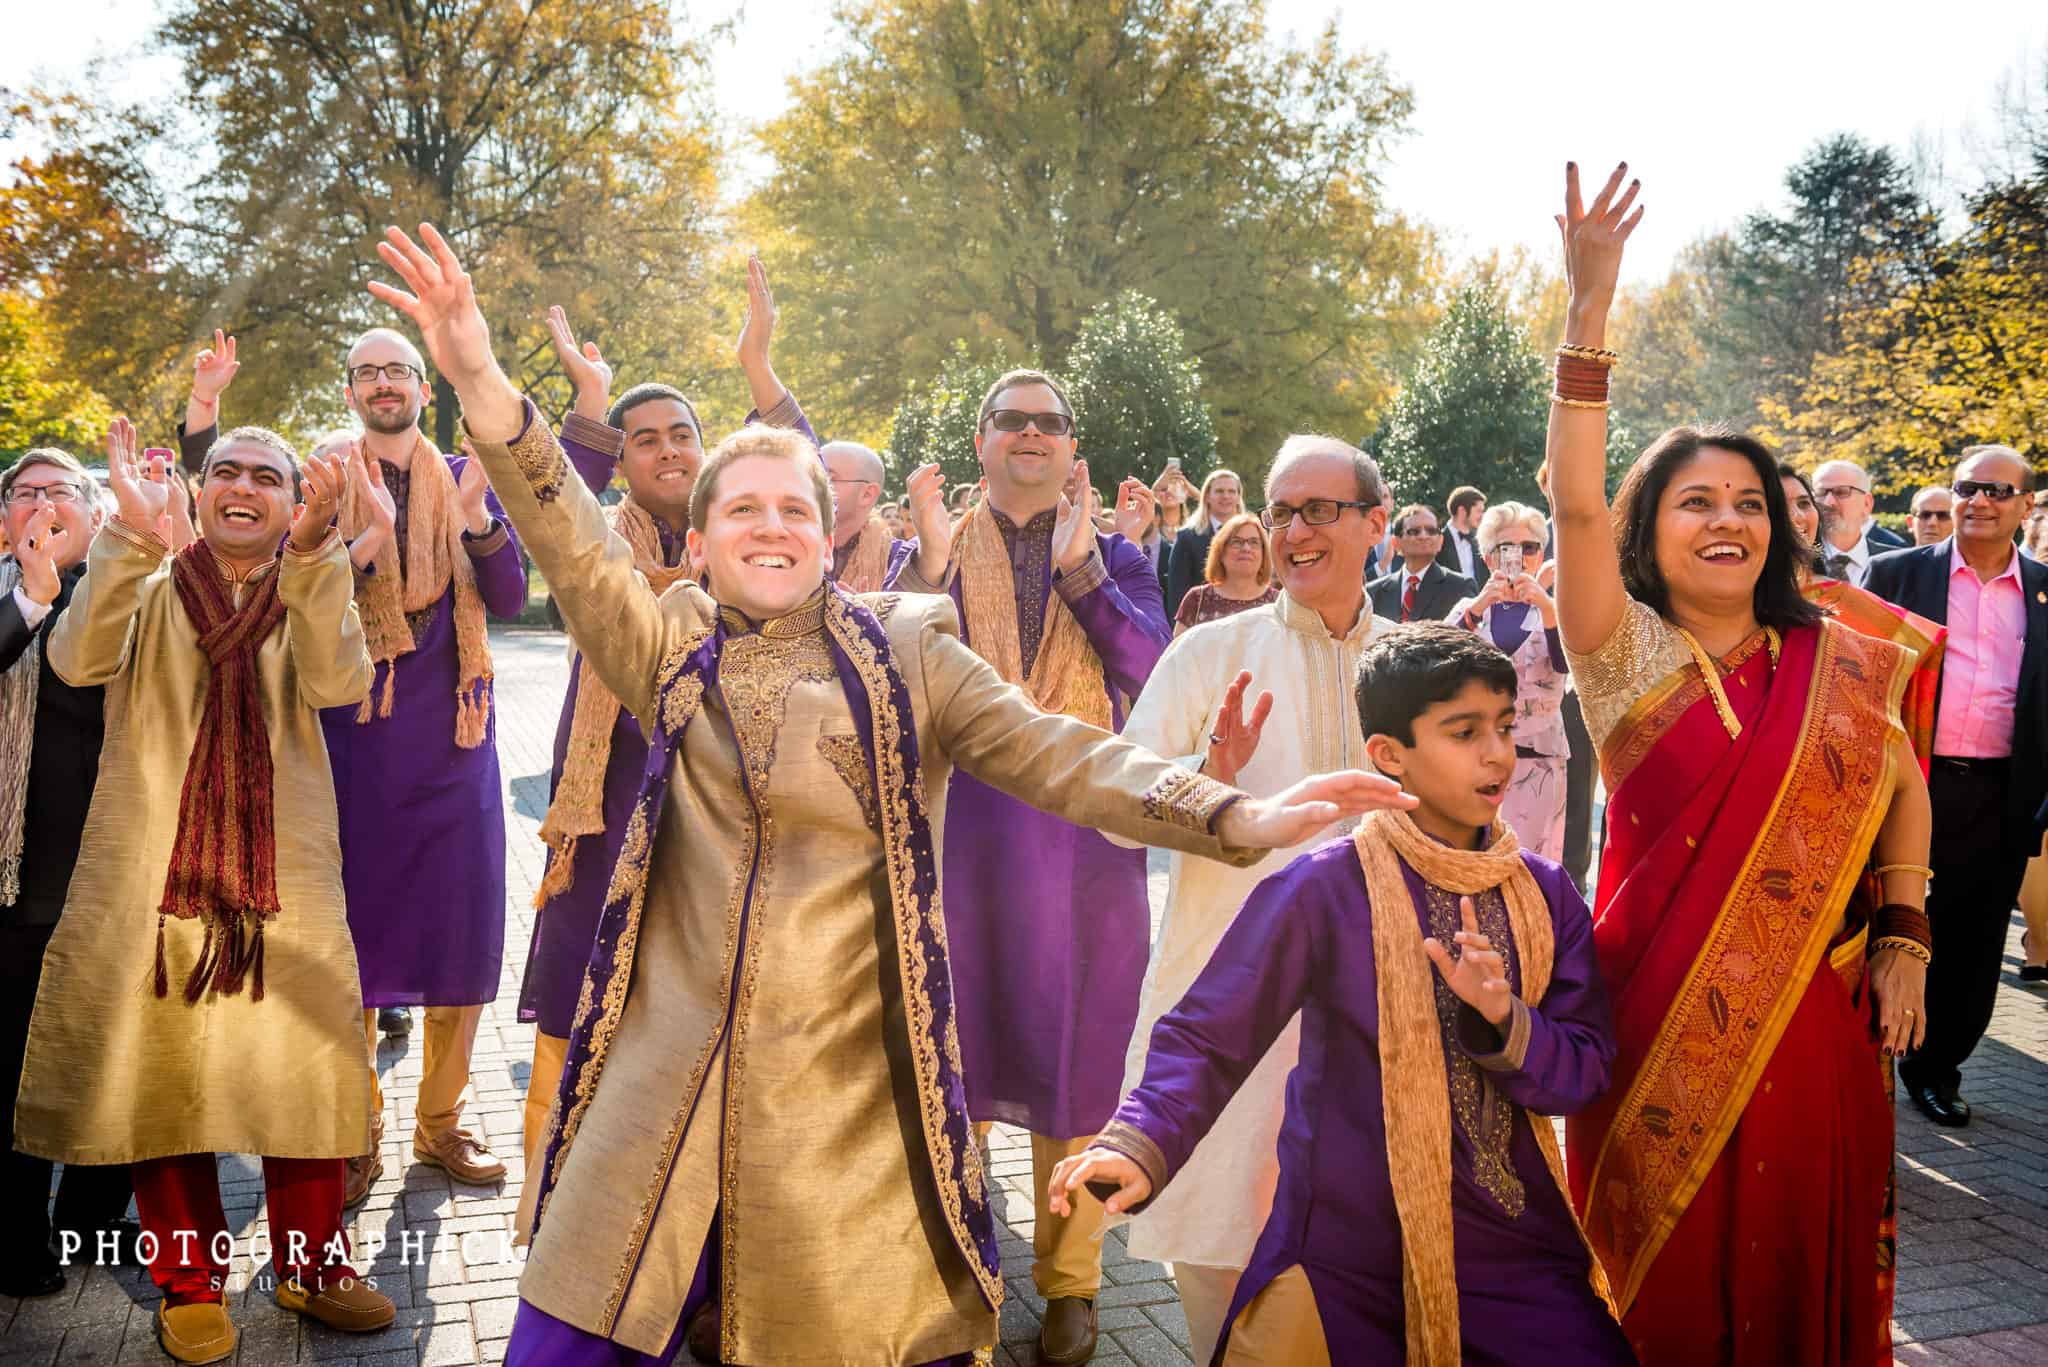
(1710, 671)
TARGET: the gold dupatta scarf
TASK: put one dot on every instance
(434, 558)
(1067, 675)
(867, 559)
(1411, 1049)
(578, 806)
(18, 688)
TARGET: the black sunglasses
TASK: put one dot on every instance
(1016, 420)
(1997, 491)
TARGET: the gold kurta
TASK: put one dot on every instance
(764, 1069)
(114, 1073)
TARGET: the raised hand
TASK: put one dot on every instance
(931, 520)
(1275, 823)
(441, 302)
(469, 494)
(1097, 1165)
(757, 329)
(322, 481)
(586, 367)
(1073, 531)
(1478, 975)
(1594, 236)
(140, 498)
(1135, 505)
(213, 369)
(36, 553)
(1236, 736)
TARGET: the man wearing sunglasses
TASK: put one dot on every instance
(1989, 774)
(1076, 619)
(1420, 589)
(1933, 515)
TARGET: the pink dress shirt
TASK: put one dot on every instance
(1980, 676)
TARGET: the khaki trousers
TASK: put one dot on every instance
(1281, 1327)
(1205, 1294)
(449, 1038)
(1069, 1250)
(550, 1052)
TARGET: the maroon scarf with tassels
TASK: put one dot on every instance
(224, 861)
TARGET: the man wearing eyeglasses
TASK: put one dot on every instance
(1933, 515)
(1989, 774)
(50, 735)
(1843, 491)
(1076, 619)
(1421, 590)
(865, 553)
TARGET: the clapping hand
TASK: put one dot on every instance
(1478, 975)
(1097, 1164)
(469, 494)
(36, 553)
(1235, 737)
(1275, 823)
(931, 521)
(588, 371)
(321, 482)
(1135, 507)
(1073, 531)
(140, 493)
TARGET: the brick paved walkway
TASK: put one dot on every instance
(1973, 1277)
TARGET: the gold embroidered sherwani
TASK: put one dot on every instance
(114, 1073)
(763, 1066)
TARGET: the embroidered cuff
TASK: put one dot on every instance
(1134, 1144)
(537, 454)
(149, 543)
(1073, 584)
(600, 437)
(492, 540)
(785, 413)
(1188, 800)
(1495, 1048)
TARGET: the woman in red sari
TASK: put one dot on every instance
(1733, 1180)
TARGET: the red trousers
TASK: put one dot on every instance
(178, 1200)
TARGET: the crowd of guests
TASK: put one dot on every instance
(844, 863)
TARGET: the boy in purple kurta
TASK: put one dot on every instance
(1075, 618)
(1439, 971)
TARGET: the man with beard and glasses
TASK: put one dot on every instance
(1074, 618)
(232, 1027)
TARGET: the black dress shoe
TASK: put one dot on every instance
(1068, 1335)
(1940, 1104)
(2034, 973)
(22, 1283)
(394, 1022)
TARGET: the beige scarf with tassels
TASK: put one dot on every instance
(434, 556)
(1412, 1050)
(1067, 675)
(18, 688)
(578, 806)
(867, 559)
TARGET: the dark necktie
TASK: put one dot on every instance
(1408, 598)
(1838, 567)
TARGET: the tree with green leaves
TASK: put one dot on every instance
(1138, 394)
(936, 420)
(39, 405)
(993, 170)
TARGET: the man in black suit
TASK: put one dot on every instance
(50, 738)
(1459, 552)
(1852, 537)
(1990, 769)
(1422, 590)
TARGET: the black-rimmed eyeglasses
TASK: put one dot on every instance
(398, 372)
(1317, 512)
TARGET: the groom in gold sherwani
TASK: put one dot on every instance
(762, 1105)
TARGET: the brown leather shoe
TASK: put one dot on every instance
(1068, 1334)
(199, 1332)
(702, 1338)
(465, 1157)
(347, 1303)
(362, 1173)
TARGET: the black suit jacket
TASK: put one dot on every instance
(1435, 596)
(1447, 556)
(1917, 580)
(1881, 539)
(62, 770)
(1187, 566)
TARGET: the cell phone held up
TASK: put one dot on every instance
(1510, 560)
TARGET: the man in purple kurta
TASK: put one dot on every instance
(1043, 1026)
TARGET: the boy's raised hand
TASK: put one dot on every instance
(1479, 976)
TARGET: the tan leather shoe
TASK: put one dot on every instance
(349, 1304)
(1068, 1334)
(363, 1172)
(199, 1332)
(465, 1157)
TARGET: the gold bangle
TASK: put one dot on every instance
(1905, 946)
(1562, 402)
(1882, 869)
(1597, 355)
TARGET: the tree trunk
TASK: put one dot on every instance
(445, 411)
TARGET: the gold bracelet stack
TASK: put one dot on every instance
(1905, 946)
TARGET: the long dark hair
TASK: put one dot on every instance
(1778, 600)
(1816, 557)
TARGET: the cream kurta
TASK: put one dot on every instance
(769, 1074)
(1213, 1215)
(114, 1073)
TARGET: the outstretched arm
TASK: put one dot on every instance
(1590, 597)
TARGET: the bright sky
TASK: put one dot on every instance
(1709, 106)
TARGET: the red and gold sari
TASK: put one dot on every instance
(1865, 612)
(1734, 1177)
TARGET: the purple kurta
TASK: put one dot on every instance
(1047, 924)
(422, 820)
(1304, 942)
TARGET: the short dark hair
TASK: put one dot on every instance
(1401, 518)
(1405, 670)
(1463, 497)
(1778, 601)
(615, 416)
(1012, 379)
(255, 436)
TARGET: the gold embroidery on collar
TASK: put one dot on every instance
(1486, 1117)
